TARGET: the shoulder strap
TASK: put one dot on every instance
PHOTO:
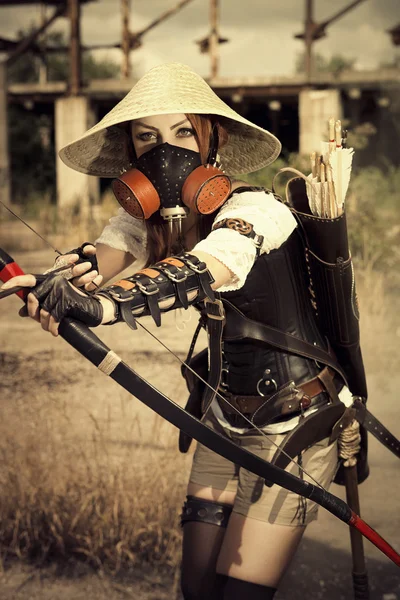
(247, 188)
(189, 355)
(239, 327)
(214, 314)
(255, 188)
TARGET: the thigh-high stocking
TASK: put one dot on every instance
(201, 545)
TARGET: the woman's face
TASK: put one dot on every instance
(149, 132)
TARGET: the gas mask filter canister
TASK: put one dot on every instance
(172, 180)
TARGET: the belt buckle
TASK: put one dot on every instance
(305, 402)
(199, 267)
(146, 290)
(221, 311)
(258, 241)
(177, 277)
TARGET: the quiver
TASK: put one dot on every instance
(332, 284)
(334, 297)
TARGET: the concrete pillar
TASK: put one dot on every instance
(5, 176)
(315, 109)
(73, 117)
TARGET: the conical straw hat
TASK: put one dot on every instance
(169, 89)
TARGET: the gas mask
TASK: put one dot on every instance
(172, 180)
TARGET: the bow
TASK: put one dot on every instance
(106, 360)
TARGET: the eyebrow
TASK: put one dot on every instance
(155, 128)
(177, 124)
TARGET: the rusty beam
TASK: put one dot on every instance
(318, 29)
(5, 181)
(309, 28)
(125, 44)
(165, 15)
(28, 41)
(59, 49)
(214, 36)
(75, 75)
(47, 2)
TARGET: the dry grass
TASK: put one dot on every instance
(88, 475)
(98, 483)
(64, 228)
(379, 320)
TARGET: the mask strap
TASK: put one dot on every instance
(131, 151)
(214, 142)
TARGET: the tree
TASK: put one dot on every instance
(394, 63)
(31, 135)
(334, 65)
(26, 68)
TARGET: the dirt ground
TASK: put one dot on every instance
(322, 567)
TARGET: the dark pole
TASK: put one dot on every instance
(5, 179)
(308, 38)
(74, 14)
(125, 67)
(214, 37)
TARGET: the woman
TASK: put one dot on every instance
(197, 230)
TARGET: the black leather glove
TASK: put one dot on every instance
(60, 299)
(85, 257)
(80, 280)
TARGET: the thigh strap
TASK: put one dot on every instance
(205, 511)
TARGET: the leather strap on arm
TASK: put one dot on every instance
(243, 228)
(171, 279)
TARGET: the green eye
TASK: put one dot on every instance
(185, 132)
(146, 136)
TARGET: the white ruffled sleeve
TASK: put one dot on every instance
(269, 217)
(125, 233)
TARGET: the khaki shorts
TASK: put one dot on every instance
(254, 499)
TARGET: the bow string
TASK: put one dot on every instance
(106, 360)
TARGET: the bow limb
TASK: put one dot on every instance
(107, 361)
(92, 348)
(10, 269)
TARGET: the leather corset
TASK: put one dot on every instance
(275, 293)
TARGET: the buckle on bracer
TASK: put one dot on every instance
(216, 304)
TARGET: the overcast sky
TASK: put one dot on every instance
(260, 32)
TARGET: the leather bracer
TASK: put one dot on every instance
(177, 282)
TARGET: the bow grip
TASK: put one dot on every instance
(80, 337)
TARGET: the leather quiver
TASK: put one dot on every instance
(332, 284)
(333, 294)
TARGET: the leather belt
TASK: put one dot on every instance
(374, 426)
(276, 406)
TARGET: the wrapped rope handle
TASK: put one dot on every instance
(295, 172)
